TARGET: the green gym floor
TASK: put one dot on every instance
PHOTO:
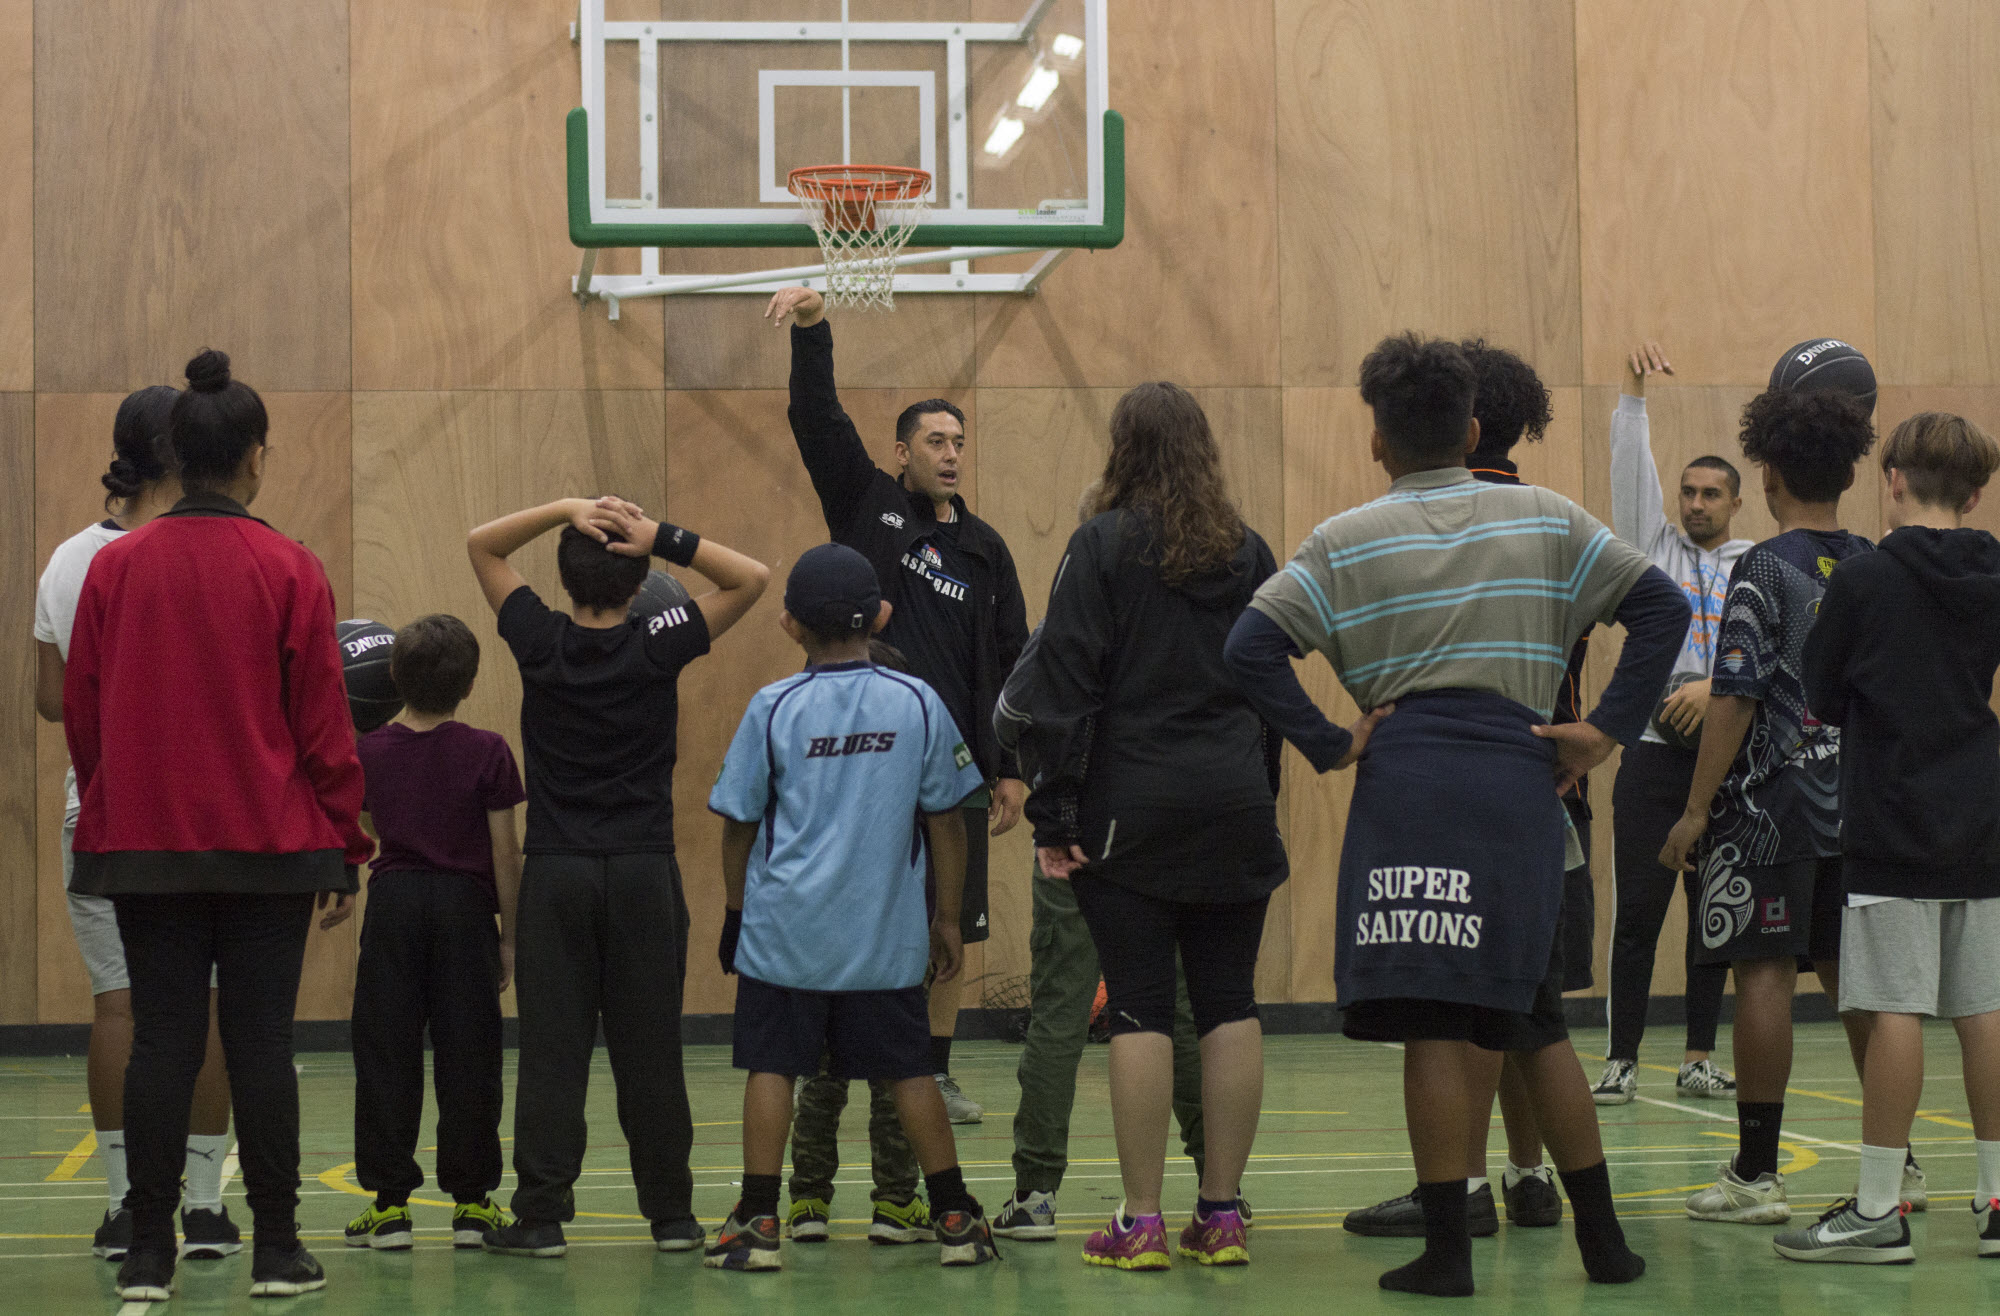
(1332, 1139)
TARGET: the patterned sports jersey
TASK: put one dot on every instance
(1781, 799)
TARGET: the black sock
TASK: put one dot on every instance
(388, 1201)
(940, 1054)
(1445, 1268)
(946, 1189)
(1606, 1258)
(760, 1197)
(1203, 1208)
(1757, 1137)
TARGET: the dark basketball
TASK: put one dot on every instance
(364, 662)
(1665, 730)
(1826, 365)
(660, 592)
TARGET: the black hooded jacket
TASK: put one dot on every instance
(1131, 732)
(1902, 661)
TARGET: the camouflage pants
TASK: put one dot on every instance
(816, 1140)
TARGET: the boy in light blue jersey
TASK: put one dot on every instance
(836, 780)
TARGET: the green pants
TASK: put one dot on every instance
(816, 1141)
(1062, 983)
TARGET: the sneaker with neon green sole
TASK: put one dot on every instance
(471, 1220)
(386, 1229)
(907, 1222)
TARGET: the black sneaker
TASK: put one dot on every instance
(113, 1238)
(1403, 1217)
(678, 1235)
(1533, 1201)
(283, 1272)
(745, 1244)
(525, 1239)
(208, 1235)
(965, 1239)
(146, 1277)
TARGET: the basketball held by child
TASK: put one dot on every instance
(1825, 365)
(659, 593)
(1665, 729)
(372, 698)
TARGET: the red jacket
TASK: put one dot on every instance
(206, 714)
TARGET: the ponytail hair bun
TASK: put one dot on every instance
(142, 453)
(209, 371)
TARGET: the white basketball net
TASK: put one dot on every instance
(860, 236)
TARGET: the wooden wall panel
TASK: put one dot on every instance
(17, 204)
(1935, 128)
(430, 466)
(229, 229)
(1190, 294)
(19, 955)
(462, 258)
(1439, 201)
(1724, 167)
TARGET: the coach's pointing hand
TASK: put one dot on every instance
(804, 305)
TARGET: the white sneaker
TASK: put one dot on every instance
(1028, 1217)
(1916, 1193)
(1618, 1085)
(958, 1107)
(1986, 1219)
(1739, 1201)
(1701, 1078)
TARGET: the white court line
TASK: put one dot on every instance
(1731, 1119)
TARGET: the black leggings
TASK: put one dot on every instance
(1137, 936)
(1648, 797)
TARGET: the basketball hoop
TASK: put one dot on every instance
(862, 216)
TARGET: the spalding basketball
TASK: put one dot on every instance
(364, 662)
(1666, 730)
(660, 592)
(1825, 365)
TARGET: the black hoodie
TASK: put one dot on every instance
(1902, 661)
(1133, 736)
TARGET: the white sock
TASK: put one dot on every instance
(111, 1145)
(1989, 1170)
(205, 1154)
(1473, 1185)
(1881, 1180)
(1513, 1174)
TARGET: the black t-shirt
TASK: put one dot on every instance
(931, 620)
(599, 712)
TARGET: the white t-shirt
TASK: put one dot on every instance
(56, 596)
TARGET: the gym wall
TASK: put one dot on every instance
(362, 202)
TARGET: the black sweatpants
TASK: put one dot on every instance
(257, 945)
(1647, 799)
(430, 956)
(1137, 937)
(601, 937)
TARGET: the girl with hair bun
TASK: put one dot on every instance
(214, 753)
(139, 485)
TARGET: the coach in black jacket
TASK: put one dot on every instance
(956, 607)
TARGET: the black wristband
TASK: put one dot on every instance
(732, 928)
(675, 544)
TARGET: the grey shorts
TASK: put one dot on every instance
(95, 924)
(1936, 958)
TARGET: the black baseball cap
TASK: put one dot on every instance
(833, 590)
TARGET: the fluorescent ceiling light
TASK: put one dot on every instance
(1041, 85)
(1067, 46)
(1005, 134)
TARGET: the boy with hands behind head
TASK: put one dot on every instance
(825, 784)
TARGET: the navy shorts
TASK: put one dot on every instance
(1773, 911)
(789, 1030)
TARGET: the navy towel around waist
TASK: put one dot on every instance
(1451, 872)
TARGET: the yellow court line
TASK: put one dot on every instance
(1803, 1158)
(1931, 1116)
(78, 1157)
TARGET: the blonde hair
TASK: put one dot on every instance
(1945, 459)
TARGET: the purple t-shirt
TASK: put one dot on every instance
(429, 792)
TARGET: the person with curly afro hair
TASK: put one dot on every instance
(1761, 829)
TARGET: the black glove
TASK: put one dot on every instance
(675, 544)
(732, 928)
